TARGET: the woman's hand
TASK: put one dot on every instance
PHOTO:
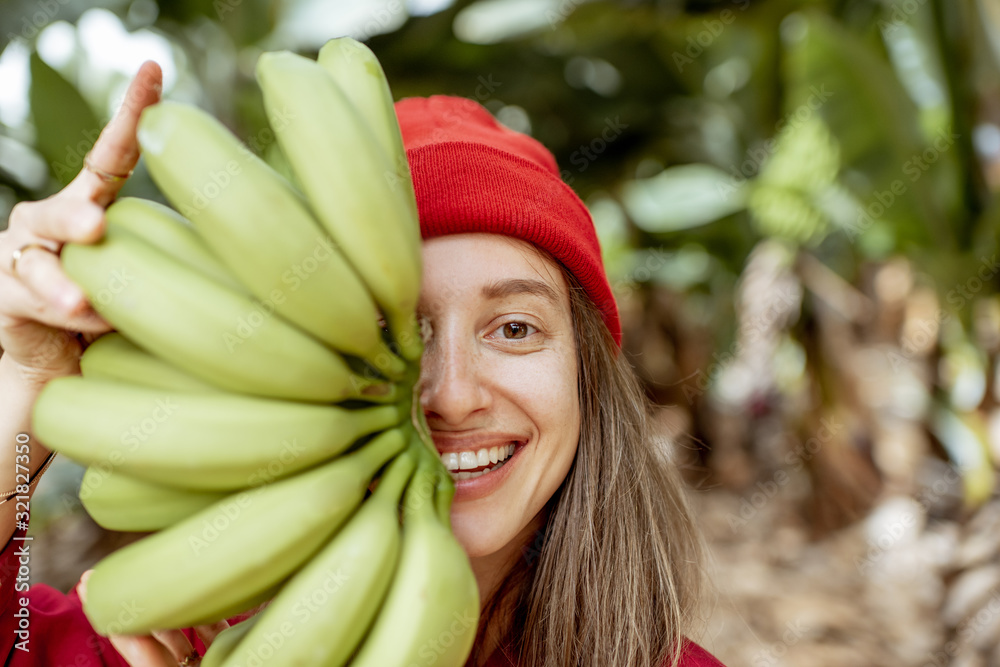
(166, 648)
(40, 307)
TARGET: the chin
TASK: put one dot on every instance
(479, 533)
(477, 540)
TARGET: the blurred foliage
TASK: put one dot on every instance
(780, 187)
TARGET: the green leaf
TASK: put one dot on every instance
(65, 125)
(787, 213)
(805, 157)
(833, 72)
(683, 197)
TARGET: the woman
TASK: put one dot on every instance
(575, 523)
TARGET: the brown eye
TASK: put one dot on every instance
(515, 330)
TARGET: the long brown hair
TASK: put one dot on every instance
(614, 575)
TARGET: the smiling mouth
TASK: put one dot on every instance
(476, 463)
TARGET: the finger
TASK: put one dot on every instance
(23, 304)
(87, 338)
(61, 219)
(117, 149)
(179, 646)
(208, 633)
(143, 651)
(138, 651)
(42, 273)
(81, 587)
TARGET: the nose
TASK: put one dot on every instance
(453, 388)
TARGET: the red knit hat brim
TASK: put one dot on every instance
(472, 175)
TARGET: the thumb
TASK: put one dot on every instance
(81, 588)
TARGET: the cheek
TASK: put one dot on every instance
(542, 389)
(551, 403)
(556, 415)
(544, 396)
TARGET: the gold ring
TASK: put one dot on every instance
(193, 660)
(19, 253)
(105, 176)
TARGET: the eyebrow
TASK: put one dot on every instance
(505, 288)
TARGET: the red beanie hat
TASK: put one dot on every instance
(472, 174)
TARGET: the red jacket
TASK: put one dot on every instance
(691, 656)
(58, 634)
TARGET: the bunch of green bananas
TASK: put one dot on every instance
(249, 401)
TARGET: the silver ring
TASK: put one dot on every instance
(19, 253)
(105, 176)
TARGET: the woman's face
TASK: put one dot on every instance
(499, 376)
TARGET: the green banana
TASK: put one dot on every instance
(360, 76)
(207, 329)
(258, 225)
(197, 441)
(115, 357)
(250, 541)
(163, 228)
(323, 612)
(207, 416)
(117, 501)
(227, 641)
(431, 612)
(346, 177)
(240, 606)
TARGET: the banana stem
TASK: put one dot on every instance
(397, 475)
(420, 421)
(444, 494)
(444, 490)
(388, 363)
(443, 485)
(376, 391)
(380, 450)
(409, 390)
(406, 334)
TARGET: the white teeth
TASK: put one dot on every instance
(467, 461)
(450, 460)
(472, 475)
